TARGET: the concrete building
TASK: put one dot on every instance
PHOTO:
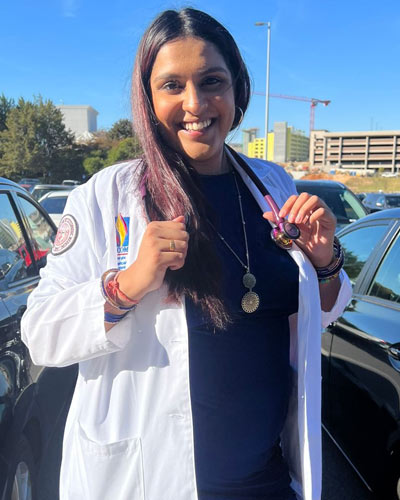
(284, 144)
(249, 135)
(80, 120)
(364, 152)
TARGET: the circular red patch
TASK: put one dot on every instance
(66, 235)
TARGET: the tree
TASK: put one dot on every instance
(5, 106)
(94, 163)
(127, 149)
(35, 142)
(122, 129)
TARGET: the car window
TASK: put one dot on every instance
(42, 232)
(358, 245)
(15, 259)
(370, 198)
(345, 206)
(380, 200)
(393, 201)
(54, 205)
(352, 206)
(386, 284)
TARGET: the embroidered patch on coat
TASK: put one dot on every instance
(122, 240)
(66, 235)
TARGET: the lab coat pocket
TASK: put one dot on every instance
(112, 470)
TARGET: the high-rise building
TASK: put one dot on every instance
(248, 136)
(284, 144)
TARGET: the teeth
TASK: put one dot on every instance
(196, 125)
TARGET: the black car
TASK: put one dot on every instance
(361, 355)
(380, 201)
(33, 400)
(340, 199)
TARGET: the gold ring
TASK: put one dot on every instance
(172, 246)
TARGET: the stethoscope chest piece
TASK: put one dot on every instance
(281, 239)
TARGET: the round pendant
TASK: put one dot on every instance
(249, 280)
(250, 302)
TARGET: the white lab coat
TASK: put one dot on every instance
(129, 433)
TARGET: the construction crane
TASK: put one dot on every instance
(313, 104)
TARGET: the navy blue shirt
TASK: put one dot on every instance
(240, 377)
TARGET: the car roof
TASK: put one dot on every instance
(42, 186)
(55, 194)
(323, 183)
(389, 213)
(7, 182)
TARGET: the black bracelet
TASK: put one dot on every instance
(328, 273)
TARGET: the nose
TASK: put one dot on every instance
(194, 100)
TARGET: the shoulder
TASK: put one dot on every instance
(111, 183)
(271, 174)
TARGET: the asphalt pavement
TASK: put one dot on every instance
(339, 480)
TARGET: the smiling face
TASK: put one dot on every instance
(193, 99)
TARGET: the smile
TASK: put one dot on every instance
(196, 125)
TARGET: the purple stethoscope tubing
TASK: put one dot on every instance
(281, 223)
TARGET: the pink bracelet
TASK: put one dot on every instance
(113, 290)
(110, 287)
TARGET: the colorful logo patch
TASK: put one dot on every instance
(66, 235)
(122, 240)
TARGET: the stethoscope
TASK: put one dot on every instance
(284, 231)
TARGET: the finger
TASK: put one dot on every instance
(168, 230)
(287, 205)
(180, 218)
(173, 246)
(299, 212)
(174, 234)
(269, 216)
(298, 203)
(172, 260)
(323, 214)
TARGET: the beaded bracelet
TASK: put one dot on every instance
(113, 318)
(110, 289)
(329, 273)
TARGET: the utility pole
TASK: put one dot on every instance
(268, 24)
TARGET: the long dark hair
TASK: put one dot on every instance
(170, 181)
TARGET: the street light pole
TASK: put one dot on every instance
(268, 24)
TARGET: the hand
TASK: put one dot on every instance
(155, 257)
(317, 225)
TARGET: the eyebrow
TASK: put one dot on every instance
(213, 69)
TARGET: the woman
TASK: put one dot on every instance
(166, 288)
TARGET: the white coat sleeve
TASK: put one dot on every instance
(64, 320)
(342, 300)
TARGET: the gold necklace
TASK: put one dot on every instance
(250, 300)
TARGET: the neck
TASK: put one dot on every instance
(217, 166)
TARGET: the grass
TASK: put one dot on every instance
(363, 184)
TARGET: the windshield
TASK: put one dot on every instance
(345, 206)
(54, 205)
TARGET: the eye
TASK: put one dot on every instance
(171, 86)
(212, 80)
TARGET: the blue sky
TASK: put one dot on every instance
(82, 51)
